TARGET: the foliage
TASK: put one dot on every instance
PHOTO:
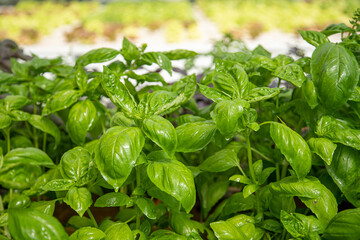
(255, 163)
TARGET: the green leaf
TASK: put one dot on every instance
(129, 51)
(117, 152)
(81, 118)
(241, 179)
(227, 231)
(146, 206)
(322, 147)
(179, 54)
(30, 155)
(15, 102)
(47, 126)
(292, 73)
(5, 121)
(117, 92)
(250, 189)
(81, 79)
(345, 171)
(312, 193)
(336, 28)
(162, 132)
(119, 119)
(78, 199)
(335, 74)
(75, 164)
(119, 231)
(166, 235)
(182, 224)
(28, 224)
(220, 161)
(226, 115)
(61, 100)
(172, 177)
(293, 147)
(355, 96)
(158, 58)
(189, 118)
(88, 233)
(18, 115)
(99, 55)
(344, 226)
(237, 203)
(310, 94)
(212, 93)
(113, 199)
(79, 222)
(19, 201)
(336, 131)
(194, 136)
(314, 38)
(59, 185)
(20, 176)
(261, 94)
(47, 207)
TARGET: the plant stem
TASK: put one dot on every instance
(262, 155)
(7, 137)
(92, 217)
(251, 167)
(44, 142)
(284, 170)
(278, 177)
(138, 184)
(278, 96)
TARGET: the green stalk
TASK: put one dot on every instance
(7, 137)
(34, 130)
(138, 184)
(278, 177)
(251, 167)
(278, 96)
(284, 170)
(92, 217)
(44, 142)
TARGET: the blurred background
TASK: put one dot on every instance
(70, 28)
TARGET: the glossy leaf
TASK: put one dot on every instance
(261, 94)
(226, 231)
(293, 147)
(220, 161)
(75, 164)
(146, 206)
(344, 170)
(322, 147)
(310, 94)
(194, 136)
(114, 199)
(212, 93)
(61, 100)
(19, 177)
(162, 132)
(117, 152)
(27, 224)
(99, 55)
(129, 51)
(58, 185)
(117, 91)
(182, 224)
(314, 38)
(88, 233)
(158, 58)
(336, 131)
(119, 231)
(15, 102)
(47, 207)
(179, 54)
(119, 119)
(292, 73)
(312, 193)
(47, 126)
(172, 177)
(78, 199)
(81, 118)
(344, 226)
(81, 79)
(32, 156)
(335, 75)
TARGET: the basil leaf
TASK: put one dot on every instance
(335, 130)
(237, 203)
(99, 55)
(344, 170)
(5, 121)
(119, 231)
(117, 152)
(221, 161)
(179, 54)
(20, 176)
(293, 147)
(18, 115)
(314, 38)
(129, 51)
(172, 177)
(312, 193)
(335, 74)
(15, 102)
(158, 58)
(59, 185)
(88, 233)
(61, 100)
(226, 231)
(261, 94)
(47, 126)
(194, 136)
(75, 163)
(117, 92)
(81, 79)
(322, 147)
(226, 115)
(212, 93)
(30, 155)
(78, 199)
(47, 207)
(345, 225)
(114, 199)
(81, 118)
(29, 224)
(182, 224)
(292, 73)
(119, 119)
(146, 206)
(162, 132)
(310, 94)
